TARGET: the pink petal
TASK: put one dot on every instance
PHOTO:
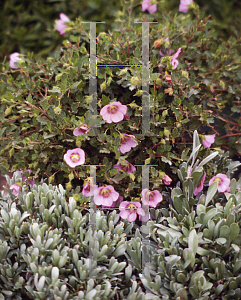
(64, 18)
(131, 217)
(117, 117)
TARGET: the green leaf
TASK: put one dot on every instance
(208, 158)
(235, 247)
(209, 215)
(196, 143)
(193, 241)
(233, 184)
(221, 241)
(194, 153)
(211, 192)
(234, 231)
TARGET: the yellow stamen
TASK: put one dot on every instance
(219, 180)
(75, 157)
(105, 192)
(132, 207)
(112, 109)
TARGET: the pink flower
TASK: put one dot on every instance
(114, 203)
(209, 140)
(222, 180)
(89, 187)
(14, 57)
(113, 112)
(81, 130)
(146, 5)
(166, 52)
(151, 198)
(183, 6)
(145, 218)
(74, 157)
(174, 60)
(212, 90)
(126, 166)
(16, 188)
(105, 195)
(31, 181)
(129, 210)
(60, 24)
(227, 190)
(127, 141)
(167, 179)
(199, 188)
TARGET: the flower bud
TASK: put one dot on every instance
(71, 176)
(57, 110)
(157, 43)
(122, 72)
(134, 80)
(68, 186)
(158, 81)
(166, 132)
(185, 74)
(165, 113)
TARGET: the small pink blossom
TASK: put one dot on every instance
(146, 5)
(126, 166)
(212, 90)
(14, 57)
(60, 24)
(174, 60)
(74, 157)
(89, 187)
(129, 210)
(16, 188)
(167, 179)
(105, 195)
(81, 130)
(199, 188)
(127, 141)
(30, 181)
(166, 52)
(151, 198)
(209, 140)
(183, 6)
(222, 180)
(113, 112)
(114, 203)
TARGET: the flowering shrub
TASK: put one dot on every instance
(193, 246)
(44, 110)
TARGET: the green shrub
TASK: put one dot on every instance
(44, 101)
(50, 250)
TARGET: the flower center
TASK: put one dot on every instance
(75, 157)
(219, 180)
(150, 196)
(126, 167)
(123, 139)
(132, 207)
(105, 192)
(112, 109)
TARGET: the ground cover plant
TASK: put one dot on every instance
(180, 171)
